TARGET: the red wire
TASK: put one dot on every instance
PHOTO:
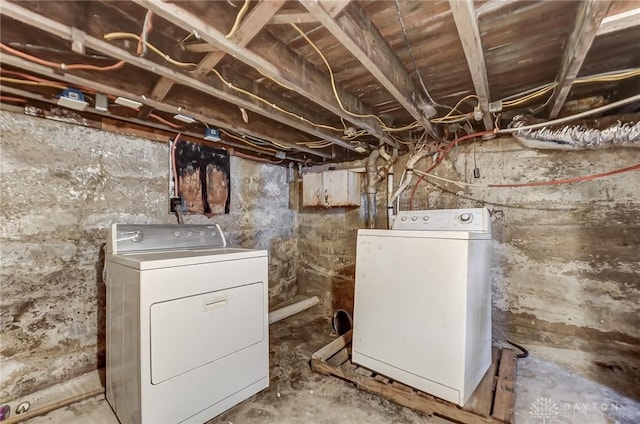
(13, 99)
(256, 158)
(174, 166)
(441, 157)
(34, 78)
(145, 31)
(570, 180)
(57, 65)
(27, 76)
(164, 121)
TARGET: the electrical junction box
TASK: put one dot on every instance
(72, 98)
(212, 134)
(331, 188)
(495, 107)
(102, 103)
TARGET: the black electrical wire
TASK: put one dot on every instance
(413, 58)
(524, 350)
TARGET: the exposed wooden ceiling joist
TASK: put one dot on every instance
(226, 141)
(256, 19)
(161, 106)
(290, 70)
(619, 22)
(464, 15)
(361, 37)
(283, 18)
(588, 19)
(43, 23)
(293, 18)
(252, 24)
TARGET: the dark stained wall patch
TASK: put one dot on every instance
(203, 182)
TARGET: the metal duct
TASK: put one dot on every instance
(599, 133)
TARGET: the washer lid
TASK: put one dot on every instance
(184, 257)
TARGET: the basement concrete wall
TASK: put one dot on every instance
(61, 186)
(566, 258)
(327, 245)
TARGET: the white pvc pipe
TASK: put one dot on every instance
(390, 215)
(287, 311)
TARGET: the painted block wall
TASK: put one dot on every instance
(61, 186)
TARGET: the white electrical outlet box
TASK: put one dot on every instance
(477, 113)
(123, 101)
(495, 107)
(184, 118)
(102, 103)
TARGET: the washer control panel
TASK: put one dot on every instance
(473, 220)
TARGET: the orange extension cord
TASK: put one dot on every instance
(62, 66)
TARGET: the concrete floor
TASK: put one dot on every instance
(297, 395)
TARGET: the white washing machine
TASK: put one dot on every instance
(422, 313)
(187, 323)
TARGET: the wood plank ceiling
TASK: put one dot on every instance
(320, 80)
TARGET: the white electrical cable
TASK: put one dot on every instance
(573, 117)
(460, 183)
(409, 173)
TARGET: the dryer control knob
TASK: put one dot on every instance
(465, 217)
(414, 219)
(425, 218)
(404, 218)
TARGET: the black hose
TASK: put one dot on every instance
(524, 350)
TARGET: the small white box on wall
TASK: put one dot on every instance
(331, 188)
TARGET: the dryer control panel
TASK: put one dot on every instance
(151, 237)
(470, 220)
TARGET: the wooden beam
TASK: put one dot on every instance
(200, 47)
(161, 106)
(332, 7)
(464, 15)
(335, 7)
(158, 92)
(588, 18)
(284, 18)
(291, 70)
(252, 24)
(135, 121)
(250, 27)
(292, 18)
(50, 26)
(361, 37)
(619, 22)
